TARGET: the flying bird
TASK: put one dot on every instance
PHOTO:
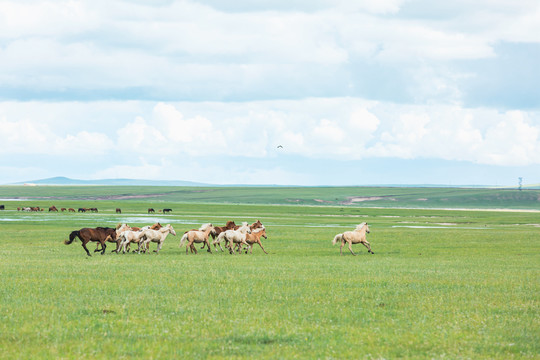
(280, 147)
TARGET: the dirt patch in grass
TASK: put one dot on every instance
(355, 199)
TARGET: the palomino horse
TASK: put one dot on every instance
(358, 236)
(86, 235)
(234, 237)
(129, 235)
(255, 238)
(197, 236)
(157, 236)
(120, 229)
(230, 225)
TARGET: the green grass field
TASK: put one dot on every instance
(450, 284)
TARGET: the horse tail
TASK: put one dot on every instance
(184, 239)
(72, 236)
(337, 238)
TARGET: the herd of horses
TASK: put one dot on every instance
(236, 238)
(81, 210)
(54, 209)
(123, 236)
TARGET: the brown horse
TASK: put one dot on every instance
(86, 235)
(255, 238)
(118, 210)
(53, 208)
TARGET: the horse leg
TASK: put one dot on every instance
(158, 247)
(218, 243)
(207, 243)
(84, 242)
(350, 248)
(261, 247)
(118, 242)
(341, 247)
(104, 246)
(368, 245)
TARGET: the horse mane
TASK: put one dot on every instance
(258, 230)
(205, 227)
(360, 226)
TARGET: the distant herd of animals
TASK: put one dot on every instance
(236, 238)
(95, 210)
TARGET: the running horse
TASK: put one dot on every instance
(357, 236)
(230, 225)
(86, 235)
(255, 238)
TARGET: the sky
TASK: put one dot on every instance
(295, 92)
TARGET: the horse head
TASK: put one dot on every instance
(261, 231)
(170, 228)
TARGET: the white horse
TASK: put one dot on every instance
(358, 236)
(233, 237)
(197, 236)
(130, 236)
(157, 236)
(126, 234)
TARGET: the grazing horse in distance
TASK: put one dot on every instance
(2, 207)
(71, 210)
(167, 210)
(118, 210)
(81, 210)
(53, 208)
(86, 235)
(357, 236)
(151, 210)
(63, 209)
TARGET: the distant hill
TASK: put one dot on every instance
(60, 180)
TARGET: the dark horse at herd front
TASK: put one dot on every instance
(86, 235)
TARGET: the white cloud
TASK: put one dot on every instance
(191, 49)
(344, 129)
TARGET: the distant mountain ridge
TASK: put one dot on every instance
(61, 180)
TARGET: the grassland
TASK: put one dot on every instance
(442, 283)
